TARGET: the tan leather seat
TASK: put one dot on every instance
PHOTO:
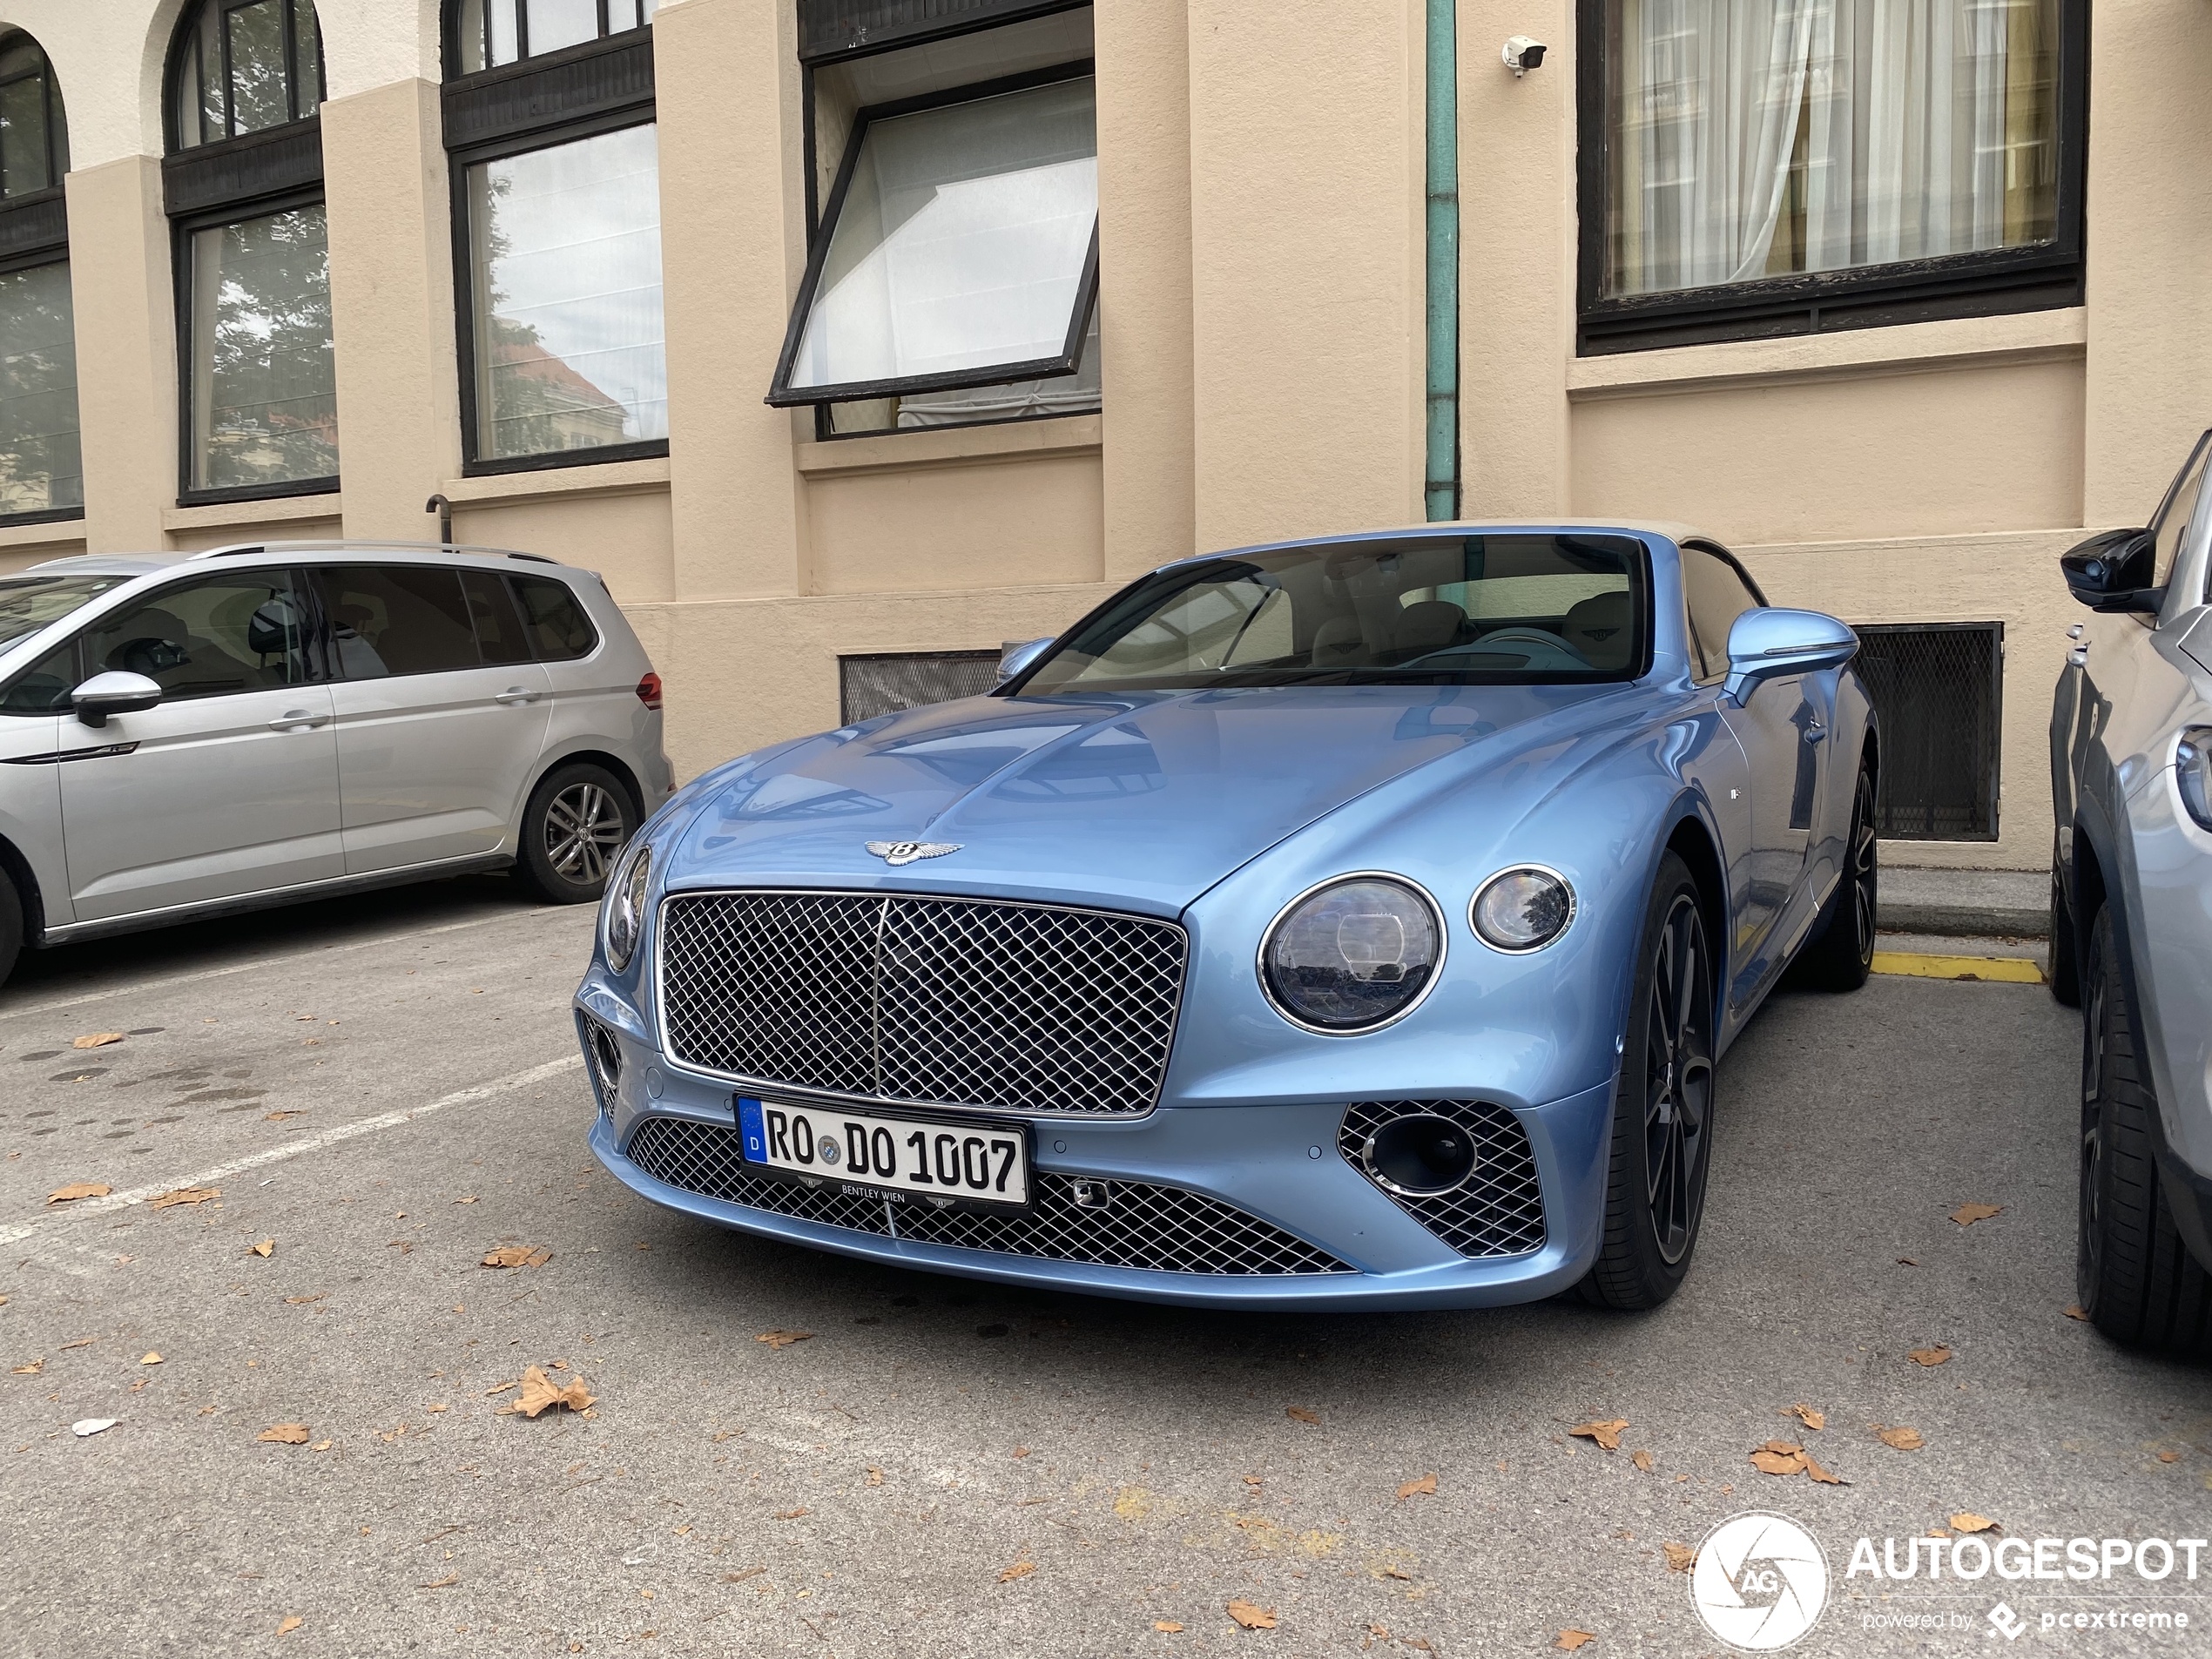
(1603, 628)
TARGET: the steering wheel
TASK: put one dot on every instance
(1547, 643)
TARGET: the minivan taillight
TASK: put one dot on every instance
(648, 690)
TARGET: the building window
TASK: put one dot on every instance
(244, 66)
(1786, 166)
(1938, 691)
(256, 379)
(556, 215)
(868, 687)
(952, 277)
(42, 470)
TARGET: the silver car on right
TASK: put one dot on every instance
(2131, 915)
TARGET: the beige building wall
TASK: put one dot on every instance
(1263, 314)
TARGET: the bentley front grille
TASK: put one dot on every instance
(1498, 1210)
(1106, 1224)
(924, 1000)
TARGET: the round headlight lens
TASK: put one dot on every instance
(1523, 910)
(1353, 955)
(626, 909)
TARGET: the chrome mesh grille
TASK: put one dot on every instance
(1163, 1230)
(1500, 1209)
(934, 1002)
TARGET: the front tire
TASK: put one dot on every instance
(1840, 956)
(1662, 1107)
(10, 927)
(578, 820)
(2134, 1277)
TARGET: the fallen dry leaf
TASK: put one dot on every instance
(31, 1370)
(2169, 1457)
(1905, 1439)
(1392, 1572)
(321, 1446)
(1808, 1415)
(447, 1582)
(1168, 1625)
(1768, 1460)
(2077, 1313)
(791, 1515)
(1821, 1475)
(285, 1434)
(279, 1117)
(500, 1388)
(1571, 1640)
(1641, 1459)
(1425, 1486)
(1020, 1569)
(1252, 1618)
(1967, 1520)
(148, 1358)
(1020, 1451)
(782, 1340)
(265, 1249)
(81, 1342)
(304, 1301)
(1680, 1557)
(875, 1476)
(186, 1194)
(1607, 1434)
(740, 1577)
(76, 1190)
(471, 1198)
(96, 1040)
(1303, 1414)
(539, 1393)
(1967, 1214)
(1929, 1356)
(508, 1256)
(292, 1622)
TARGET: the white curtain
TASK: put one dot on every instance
(1757, 137)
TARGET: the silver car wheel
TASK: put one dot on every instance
(584, 830)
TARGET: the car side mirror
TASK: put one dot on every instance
(113, 693)
(1017, 657)
(2112, 571)
(1770, 644)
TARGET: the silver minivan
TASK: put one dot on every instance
(183, 735)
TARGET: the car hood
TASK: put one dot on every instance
(1138, 801)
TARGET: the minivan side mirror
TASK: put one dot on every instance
(1018, 656)
(113, 693)
(1770, 644)
(2112, 571)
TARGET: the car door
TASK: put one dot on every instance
(229, 787)
(1781, 727)
(442, 713)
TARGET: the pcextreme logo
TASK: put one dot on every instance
(1760, 1581)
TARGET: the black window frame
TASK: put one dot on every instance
(1697, 673)
(1990, 282)
(227, 181)
(34, 227)
(783, 396)
(322, 622)
(580, 91)
(186, 40)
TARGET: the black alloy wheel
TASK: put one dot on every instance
(2134, 1275)
(1840, 955)
(1663, 1108)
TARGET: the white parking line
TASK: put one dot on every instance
(115, 1201)
(10, 1010)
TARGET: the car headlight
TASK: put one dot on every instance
(1353, 955)
(2193, 773)
(1523, 909)
(626, 912)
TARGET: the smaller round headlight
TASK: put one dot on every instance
(1523, 909)
(625, 919)
(1352, 955)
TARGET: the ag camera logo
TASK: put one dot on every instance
(1760, 1582)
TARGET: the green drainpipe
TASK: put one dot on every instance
(1442, 471)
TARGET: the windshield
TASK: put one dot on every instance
(29, 602)
(1514, 609)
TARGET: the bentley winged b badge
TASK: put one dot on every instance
(897, 853)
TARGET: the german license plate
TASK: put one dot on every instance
(902, 1157)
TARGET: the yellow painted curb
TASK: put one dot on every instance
(2012, 970)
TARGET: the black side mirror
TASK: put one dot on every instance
(2112, 571)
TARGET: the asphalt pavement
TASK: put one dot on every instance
(385, 1091)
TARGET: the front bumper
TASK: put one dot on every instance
(1277, 1162)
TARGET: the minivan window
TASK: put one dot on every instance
(392, 619)
(46, 685)
(208, 638)
(30, 603)
(499, 624)
(558, 628)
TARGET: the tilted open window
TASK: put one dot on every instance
(959, 246)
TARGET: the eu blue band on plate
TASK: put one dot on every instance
(756, 1145)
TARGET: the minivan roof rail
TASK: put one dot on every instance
(234, 548)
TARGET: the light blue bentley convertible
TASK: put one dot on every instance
(1352, 923)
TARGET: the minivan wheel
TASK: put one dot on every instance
(10, 927)
(1662, 1107)
(578, 820)
(2134, 1276)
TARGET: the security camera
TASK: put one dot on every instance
(1523, 54)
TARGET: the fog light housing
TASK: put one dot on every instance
(603, 1053)
(1419, 1155)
